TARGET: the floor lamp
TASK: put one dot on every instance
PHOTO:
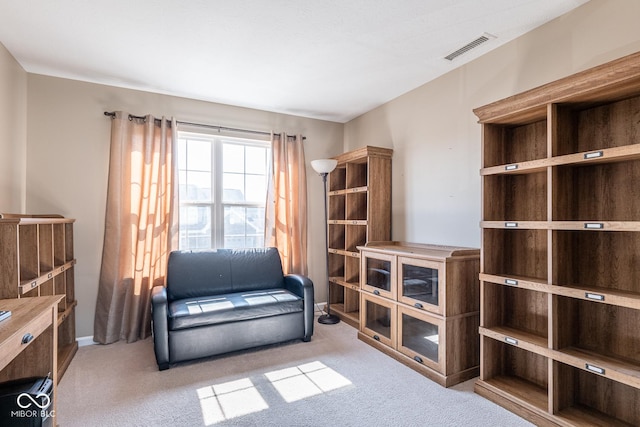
(324, 167)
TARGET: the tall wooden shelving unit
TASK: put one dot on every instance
(37, 259)
(560, 271)
(359, 209)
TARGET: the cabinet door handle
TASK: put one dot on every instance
(26, 338)
(377, 338)
(376, 292)
(418, 305)
(511, 282)
(511, 167)
(511, 225)
(417, 359)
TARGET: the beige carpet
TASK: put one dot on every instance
(334, 380)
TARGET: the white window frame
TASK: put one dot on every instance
(217, 205)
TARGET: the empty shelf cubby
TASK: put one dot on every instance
(514, 143)
(518, 252)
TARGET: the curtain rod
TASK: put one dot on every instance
(112, 114)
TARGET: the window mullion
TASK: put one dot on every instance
(218, 164)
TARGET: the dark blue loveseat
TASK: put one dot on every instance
(219, 301)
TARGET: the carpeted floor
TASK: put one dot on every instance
(334, 380)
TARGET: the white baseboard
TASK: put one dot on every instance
(85, 341)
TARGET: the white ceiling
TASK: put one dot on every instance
(328, 59)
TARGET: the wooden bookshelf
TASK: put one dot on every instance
(37, 259)
(359, 210)
(560, 278)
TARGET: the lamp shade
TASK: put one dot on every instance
(324, 165)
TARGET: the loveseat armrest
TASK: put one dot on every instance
(303, 287)
(159, 326)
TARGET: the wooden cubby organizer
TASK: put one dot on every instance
(359, 209)
(420, 305)
(560, 273)
(37, 259)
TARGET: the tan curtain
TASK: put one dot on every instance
(141, 225)
(286, 213)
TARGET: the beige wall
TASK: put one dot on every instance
(436, 138)
(434, 134)
(68, 157)
(13, 133)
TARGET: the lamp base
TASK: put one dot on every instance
(328, 319)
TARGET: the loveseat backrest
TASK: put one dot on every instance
(193, 274)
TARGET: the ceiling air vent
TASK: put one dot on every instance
(466, 48)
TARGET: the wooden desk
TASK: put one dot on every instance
(37, 358)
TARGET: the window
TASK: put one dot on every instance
(223, 187)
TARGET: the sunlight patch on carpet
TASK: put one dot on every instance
(220, 402)
(229, 400)
(305, 381)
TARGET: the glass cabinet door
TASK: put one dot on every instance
(378, 273)
(421, 283)
(378, 319)
(420, 337)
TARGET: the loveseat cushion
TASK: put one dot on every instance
(202, 273)
(192, 312)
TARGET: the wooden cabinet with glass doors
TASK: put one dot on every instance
(560, 277)
(419, 304)
(359, 210)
